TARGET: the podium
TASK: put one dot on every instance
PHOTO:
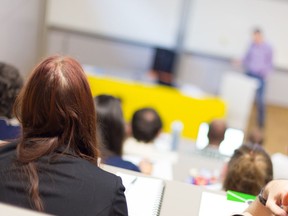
(238, 91)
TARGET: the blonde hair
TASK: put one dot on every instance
(249, 169)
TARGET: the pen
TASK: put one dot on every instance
(131, 184)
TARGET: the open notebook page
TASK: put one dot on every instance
(143, 194)
(217, 204)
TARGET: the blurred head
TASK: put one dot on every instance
(110, 123)
(249, 169)
(255, 136)
(56, 109)
(146, 124)
(216, 133)
(257, 36)
(10, 85)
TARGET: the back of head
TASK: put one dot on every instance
(146, 124)
(249, 169)
(110, 123)
(257, 30)
(56, 109)
(10, 85)
(255, 136)
(216, 133)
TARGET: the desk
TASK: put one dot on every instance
(9, 210)
(179, 198)
(169, 102)
(188, 159)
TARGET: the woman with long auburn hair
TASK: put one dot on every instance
(53, 167)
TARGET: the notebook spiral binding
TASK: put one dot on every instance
(158, 203)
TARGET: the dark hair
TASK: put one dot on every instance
(216, 133)
(257, 30)
(110, 123)
(56, 110)
(249, 169)
(10, 85)
(255, 136)
(146, 124)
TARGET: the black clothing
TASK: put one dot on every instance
(68, 185)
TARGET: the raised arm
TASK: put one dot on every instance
(276, 195)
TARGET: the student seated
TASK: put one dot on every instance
(10, 84)
(143, 145)
(53, 166)
(146, 125)
(216, 135)
(249, 169)
(110, 123)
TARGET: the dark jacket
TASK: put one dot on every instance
(68, 185)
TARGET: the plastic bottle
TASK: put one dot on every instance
(176, 131)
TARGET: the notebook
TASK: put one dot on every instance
(143, 194)
(217, 204)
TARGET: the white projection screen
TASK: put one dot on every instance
(152, 22)
(223, 27)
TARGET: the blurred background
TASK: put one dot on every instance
(207, 39)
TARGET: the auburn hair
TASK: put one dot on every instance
(56, 110)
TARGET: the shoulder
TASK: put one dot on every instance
(119, 162)
(86, 169)
(130, 142)
(133, 144)
(74, 170)
(84, 184)
(130, 145)
(250, 47)
(7, 155)
(7, 148)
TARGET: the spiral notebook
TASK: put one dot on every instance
(143, 194)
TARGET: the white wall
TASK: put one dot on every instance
(103, 53)
(277, 88)
(202, 71)
(20, 22)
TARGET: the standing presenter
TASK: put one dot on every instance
(258, 64)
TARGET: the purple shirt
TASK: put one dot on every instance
(258, 59)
